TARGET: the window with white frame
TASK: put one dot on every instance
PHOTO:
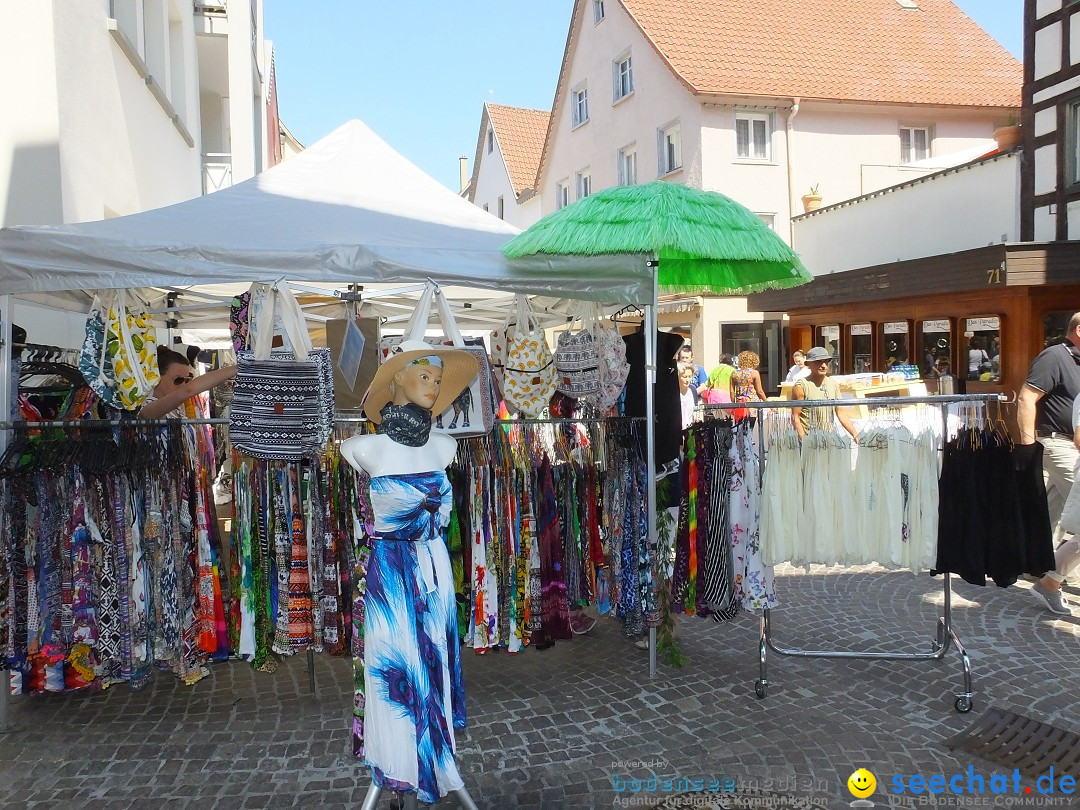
(753, 134)
(914, 144)
(597, 10)
(768, 219)
(562, 194)
(622, 70)
(627, 165)
(1072, 142)
(670, 143)
(490, 140)
(502, 208)
(583, 181)
(579, 105)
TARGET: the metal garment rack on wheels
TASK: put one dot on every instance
(946, 635)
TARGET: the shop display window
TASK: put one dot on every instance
(829, 338)
(936, 348)
(981, 353)
(895, 345)
(1055, 325)
(862, 347)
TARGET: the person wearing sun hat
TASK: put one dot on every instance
(413, 696)
(817, 385)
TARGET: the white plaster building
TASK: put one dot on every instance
(763, 101)
(116, 103)
(508, 149)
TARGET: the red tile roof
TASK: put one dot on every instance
(851, 50)
(520, 133)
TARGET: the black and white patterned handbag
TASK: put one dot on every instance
(283, 401)
(577, 362)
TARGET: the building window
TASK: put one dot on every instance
(583, 181)
(597, 11)
(914, 144)
(627, 165)
(579, 100)
(670, 148)
(752, 136)
(490, 140)
(562, 194)
(1072, 143)
(623, 75)
(768, 219)
(502, 208)
(486, 208)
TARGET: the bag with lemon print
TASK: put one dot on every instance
(126, 352)
(529, 375)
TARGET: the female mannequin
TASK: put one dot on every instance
(414, 695)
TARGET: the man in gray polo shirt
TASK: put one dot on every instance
(1044, 412)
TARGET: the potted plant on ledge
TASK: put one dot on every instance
(812, 201)
(1009, 136)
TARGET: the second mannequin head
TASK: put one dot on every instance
(419, 382)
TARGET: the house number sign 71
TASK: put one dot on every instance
(993, 275)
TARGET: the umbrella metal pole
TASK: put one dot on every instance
(650, 442)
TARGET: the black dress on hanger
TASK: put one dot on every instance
(668, 426)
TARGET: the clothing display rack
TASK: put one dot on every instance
(946, 635)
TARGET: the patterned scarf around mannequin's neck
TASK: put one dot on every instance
(407, 424)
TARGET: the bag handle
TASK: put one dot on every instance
(449, 323)
(525, 316)
(292, 317)
(279, 296)
(418, 323)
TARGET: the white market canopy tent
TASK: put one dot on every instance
(349, 209)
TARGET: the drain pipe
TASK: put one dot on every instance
(790, 128)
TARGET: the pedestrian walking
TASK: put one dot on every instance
(1045, 414)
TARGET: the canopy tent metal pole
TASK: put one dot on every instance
(650, 434)
(5, 398)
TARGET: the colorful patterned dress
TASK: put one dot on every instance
(415, 696)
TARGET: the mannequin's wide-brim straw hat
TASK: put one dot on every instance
(458, 371)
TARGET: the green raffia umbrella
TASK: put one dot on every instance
(704, 241)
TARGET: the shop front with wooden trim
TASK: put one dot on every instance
(985, 312)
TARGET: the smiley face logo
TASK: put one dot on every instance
(861, 783)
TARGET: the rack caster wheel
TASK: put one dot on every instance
(963, 704)
(761, 689)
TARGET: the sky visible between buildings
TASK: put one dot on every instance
(419, 72)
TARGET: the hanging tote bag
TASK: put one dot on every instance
(529, 375)
(611, 357)
(118, 358)
(473, 412)
(95, 365)
(283, 401)
(131, 343)
(577, 363)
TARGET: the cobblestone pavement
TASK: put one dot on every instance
(551, 729)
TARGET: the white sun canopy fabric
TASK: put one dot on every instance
(349, 209)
